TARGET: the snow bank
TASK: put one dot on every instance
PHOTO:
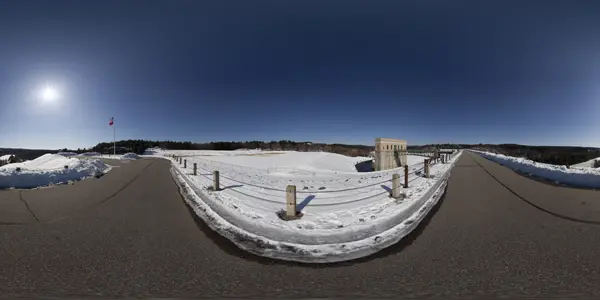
(49, 169)
(130, 156)
(586, 178)
(343, 217)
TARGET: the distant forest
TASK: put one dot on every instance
(557, 155)
(138, 146)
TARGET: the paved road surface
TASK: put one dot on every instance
(141, 240)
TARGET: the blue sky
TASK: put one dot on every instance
(329, 71)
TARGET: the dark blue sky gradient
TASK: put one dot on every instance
(330, 71)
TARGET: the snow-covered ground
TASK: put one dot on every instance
(586, 164)
(577, 177)
(284, 162)
(346, 215)
(49, 169)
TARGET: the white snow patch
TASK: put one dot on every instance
(49, 169)
(130, 156)
(345, 216)
(578, 177)
(154, 151)
(586, 164)
(5, 157)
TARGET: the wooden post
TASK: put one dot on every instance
(406, 176)
(396, 186)
(290, 199)
(195, 169)
(427, 168)
(185, 163)
(216, 186)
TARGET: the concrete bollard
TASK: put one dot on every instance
(426, 168)
(290, 200)
(185, 163)
(216, 186)
(396, 186)
(406, 176)
(195, 169)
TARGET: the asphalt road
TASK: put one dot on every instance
(495, 233)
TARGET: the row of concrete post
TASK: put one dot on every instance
(216, 185)
(290, 190)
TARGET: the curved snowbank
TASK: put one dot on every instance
(49, 169)
(290, 242)
(586, 178)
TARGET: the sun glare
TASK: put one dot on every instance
(49, 93)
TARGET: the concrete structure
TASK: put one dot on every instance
(389, 153)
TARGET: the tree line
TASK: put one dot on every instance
(138, 146)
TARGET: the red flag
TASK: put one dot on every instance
(111, 121)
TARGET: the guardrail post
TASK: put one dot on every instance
(195, 169)
(216, 186)
(406, 176)
(427, 168)
(185, 163)
(290, 200)
(396, 186)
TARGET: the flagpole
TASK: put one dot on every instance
(114, 139)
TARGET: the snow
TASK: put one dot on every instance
(130, 156)
(586, 164)
(154, 151)
(285, 162)
(577, 177)
(5, 157)
(49, 169)
(346, 215)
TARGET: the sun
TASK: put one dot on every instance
(49, 93)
